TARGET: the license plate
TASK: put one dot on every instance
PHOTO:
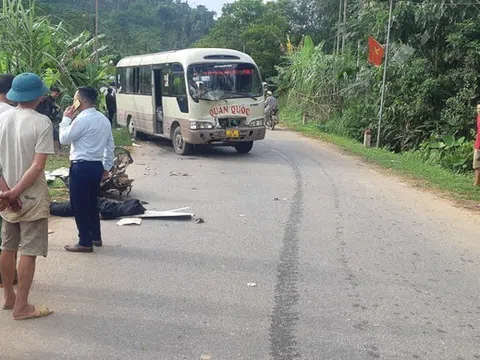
(232, 133)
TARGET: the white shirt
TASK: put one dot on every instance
(4, 107)
(90, 136)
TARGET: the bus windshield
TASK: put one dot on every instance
(214, 81)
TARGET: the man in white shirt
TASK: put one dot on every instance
(89, 133)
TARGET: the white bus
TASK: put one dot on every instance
(193, 97)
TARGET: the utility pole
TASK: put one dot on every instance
(385, 65)
(345, 4)
(359, 41)
(96, 31)
(338, 24)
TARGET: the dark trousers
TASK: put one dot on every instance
(111, 115)
(85, 178)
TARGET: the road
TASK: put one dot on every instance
(349, 264)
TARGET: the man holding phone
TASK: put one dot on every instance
(89, 133)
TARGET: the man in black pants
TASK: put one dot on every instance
(91, 155)
(111, 105)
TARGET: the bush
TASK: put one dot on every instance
(447, 151)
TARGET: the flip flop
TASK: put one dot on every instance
(8, 307)
(38, 313)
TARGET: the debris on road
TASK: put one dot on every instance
(49, 177)
(62, 172)
(129, 221)
(242, 215)
(172, 173)
(252, 285)
(206, 357)
(136, 145)
(276, 199)
(168, 214)
(119, 180)
(50, 232)
(200, 221)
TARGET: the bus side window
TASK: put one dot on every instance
(130, 81)
(145, 80)
(179, 89)
(121, 80)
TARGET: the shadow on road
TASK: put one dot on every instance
(204, 151)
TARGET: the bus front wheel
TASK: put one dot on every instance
(133, 132)
(244, 147)
(181, 147)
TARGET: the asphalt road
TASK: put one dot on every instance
(348, 264)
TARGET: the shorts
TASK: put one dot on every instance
(476, 160)
(33, 237)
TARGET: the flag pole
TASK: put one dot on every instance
(382, 100)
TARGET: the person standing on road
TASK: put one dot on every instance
(26, 140)
(5, 86)
(111, 105)
(476, 152)
(48, 107)
(91, 155)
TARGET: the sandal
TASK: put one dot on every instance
(38, 313)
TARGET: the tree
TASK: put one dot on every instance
(135, 27)
(259, 30)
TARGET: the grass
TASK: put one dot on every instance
(58, 191)
(426, 175)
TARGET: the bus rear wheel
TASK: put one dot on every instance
(244, 147)
(179, 144)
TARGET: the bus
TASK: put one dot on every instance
(192, 97)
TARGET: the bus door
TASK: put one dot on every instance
(159, 111)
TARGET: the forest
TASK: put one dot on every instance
(313, 53)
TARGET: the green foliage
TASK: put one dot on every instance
(252, 26)
(32, 43)
(135, 27)
(432, 92)
(447, 151)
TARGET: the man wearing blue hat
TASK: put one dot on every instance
(26, 140)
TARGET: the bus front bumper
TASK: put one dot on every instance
(225, 137)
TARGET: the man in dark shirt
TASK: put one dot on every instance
(111, 104)
(49, 108)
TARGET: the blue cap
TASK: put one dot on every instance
(27, 87)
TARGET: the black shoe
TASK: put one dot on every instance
(97, 243)
(79, 249)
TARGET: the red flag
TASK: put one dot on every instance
(375, 52)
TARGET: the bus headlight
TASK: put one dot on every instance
(256, 123)
(198, 125)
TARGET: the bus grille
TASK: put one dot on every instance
(226, 123)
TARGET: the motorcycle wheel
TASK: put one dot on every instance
(273, 122)
(268, 122)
